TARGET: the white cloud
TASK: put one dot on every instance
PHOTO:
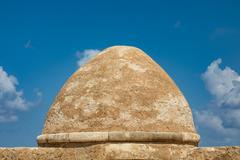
(210, 120)
(232, 118)
(28, 44)
(11, 99)
(39, 95)
(8, 118)
(86, 55)
(38, 92)
(216, 122)
(223, 32)
(223, 121)
(223, 84)
(178, 24)
(213, 129)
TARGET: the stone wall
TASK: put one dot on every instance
(123, 151)
(214, 153)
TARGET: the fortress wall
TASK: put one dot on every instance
(122, 151)
(214, 153)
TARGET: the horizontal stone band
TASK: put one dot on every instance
(132, 136)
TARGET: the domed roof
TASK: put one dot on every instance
(121, 89)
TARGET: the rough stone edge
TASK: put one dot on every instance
(123, 151)
(132, 136)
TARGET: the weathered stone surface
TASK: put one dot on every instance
(86, 137)
(121, 105)
(121, 89)
(119, 136)
(122, 151)
(214, 153)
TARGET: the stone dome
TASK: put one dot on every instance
(121, 90)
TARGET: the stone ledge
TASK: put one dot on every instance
(132, 136)
(123, 151)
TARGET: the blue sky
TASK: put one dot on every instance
(42, 41)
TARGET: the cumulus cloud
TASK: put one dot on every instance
(223, 84)
(232, 118)
(216, 122)
(11, 99)
(86, 55)
(214, 130)
(210, 120)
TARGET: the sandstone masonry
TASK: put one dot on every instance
(120, 105)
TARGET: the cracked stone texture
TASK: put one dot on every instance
(122, 151)
(214, 153)
(121, 89)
